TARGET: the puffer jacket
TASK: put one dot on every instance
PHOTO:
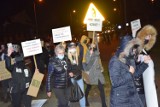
(58, 73)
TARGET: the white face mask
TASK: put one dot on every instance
(60, 56)
(72, 50)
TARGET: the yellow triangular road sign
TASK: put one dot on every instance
(93, 13)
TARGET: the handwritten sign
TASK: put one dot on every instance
(31, 47)
(135, 26)
(61, 34)
(94, 25)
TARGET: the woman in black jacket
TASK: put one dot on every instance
(58, 68)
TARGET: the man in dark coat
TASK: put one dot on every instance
(122, 70)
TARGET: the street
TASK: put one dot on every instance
(107, 49)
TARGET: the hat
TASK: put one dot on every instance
(71, 44)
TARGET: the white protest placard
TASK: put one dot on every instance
(31, 47)
(94, 25)
(150, 86)
(135, 25)
(61, 34)
(38, 103)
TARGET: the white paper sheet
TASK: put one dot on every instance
(38, 103)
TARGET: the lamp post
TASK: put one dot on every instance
(35, 14)
(72, 12)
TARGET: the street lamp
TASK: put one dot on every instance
(114, 9)
(35, 14)
(74, 11)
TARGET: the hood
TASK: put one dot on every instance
(123, 42)
(84, 38)
(128, 47)
(147, 30)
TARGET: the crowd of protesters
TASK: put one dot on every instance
(69, 62)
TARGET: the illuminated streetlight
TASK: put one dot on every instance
(74, 11)
(119, 26)
(114, 9)
(114, 0)
(40, 1)
(127, 24)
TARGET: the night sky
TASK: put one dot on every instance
(58, 13)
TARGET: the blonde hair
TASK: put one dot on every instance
(59, 47)
(70, 57)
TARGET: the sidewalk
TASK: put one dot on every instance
(94, 100)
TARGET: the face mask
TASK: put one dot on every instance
(85, 41)
(133, 52)
(146, 41)
(60, 56)
(72, 50)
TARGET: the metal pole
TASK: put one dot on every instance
(35, 16)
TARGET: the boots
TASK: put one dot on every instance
(88, 88)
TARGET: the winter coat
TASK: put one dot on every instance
(147, 30)
(149, 74)
(58, 73)
(123, 90)
(94, 68)
(84, 40)
(21, 75)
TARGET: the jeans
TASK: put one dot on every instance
(82, 101)
(62, 96)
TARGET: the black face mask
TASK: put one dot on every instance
(133, 55)
(14, 54)
(146, 41)
(85, 41)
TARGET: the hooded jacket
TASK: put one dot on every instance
(123, 90)
(21, 74)
(84, 40)
(142, 33)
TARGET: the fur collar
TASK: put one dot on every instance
(148, 30)
(125, 53)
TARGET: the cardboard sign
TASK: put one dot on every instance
(35, 84)
(31, 47)
(4, 73)
(61, 34)
(135, 25)
(94, 25)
